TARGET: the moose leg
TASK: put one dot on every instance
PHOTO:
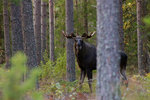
(89, 75)
(123, 74)
(82, 77)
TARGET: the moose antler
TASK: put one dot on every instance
(85, 35)
(68, 36)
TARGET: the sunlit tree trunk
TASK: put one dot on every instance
(6, 33)
(37, 28)
(16, 28)
(43, 27)
(139, 37)
(51, 29)
(108, 78)
(69, 42)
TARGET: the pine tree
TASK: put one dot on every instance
(51, 29)
(28, 33)
(121, 32)
(16, 28)
(6, 33)
(37, 28)
(108, 79)
(85, 16)
(43, 27)
(139, 37)
(69, 42)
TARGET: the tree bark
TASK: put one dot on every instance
(70, 42)
(33, 5)
(146, 53)
(16, 28)
(51, 29)
(37, 29)
(28, 33)
(6, 33)
(108, 78)
(43, 27)
(139, 37)
(121, 32)
(77, 15)
(85, 16)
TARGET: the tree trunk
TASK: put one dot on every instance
(121, 33)
(6, 33)
(146, 53)
(85, 16)
(108, 78)
(33, 5)
(77, 15)
(139, 37)
(51, 29)
(28, 33)
(43, 27)
(69, 42)
(37, 28)
(16, 28)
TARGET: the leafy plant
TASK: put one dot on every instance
(12, 85)
(53, 78)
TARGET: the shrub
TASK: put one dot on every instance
(53, 77)
(12, 85)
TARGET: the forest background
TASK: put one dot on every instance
(85, 22)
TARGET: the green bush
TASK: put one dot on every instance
(12, 85)
(53, 77)
(54, 70)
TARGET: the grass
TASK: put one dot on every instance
(137, 90)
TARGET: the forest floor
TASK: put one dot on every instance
(136, 91)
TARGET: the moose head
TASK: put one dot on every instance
(79, 43)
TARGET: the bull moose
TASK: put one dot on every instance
(86, 57)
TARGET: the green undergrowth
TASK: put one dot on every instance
(12, 84)
(53, 82)
(53, 79)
